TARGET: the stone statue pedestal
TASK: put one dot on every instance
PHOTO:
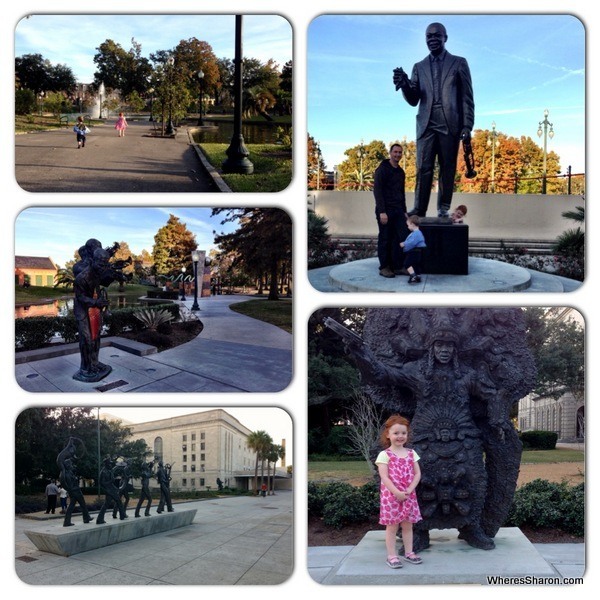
(447, 251)
(53, 537)
(447, 561)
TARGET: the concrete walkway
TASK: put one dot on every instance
(485, 275)
(232, 541)
(233, 353)
(49, 161)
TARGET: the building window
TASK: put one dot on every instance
(202, 483)
(193, 468)
(202, 436)
(193, 482)
(193, 458)
(158, 448)
(184, 482)
(184, 447)
(193, 447)
(202, 468)
(185, 468)
(202, 457)
(202, 446)
(193, 437)
(185, 458)
(185, 437)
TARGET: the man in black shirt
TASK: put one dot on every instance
(390, 212)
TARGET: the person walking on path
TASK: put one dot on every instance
(81, 131)
(51, 496)
(121, 125)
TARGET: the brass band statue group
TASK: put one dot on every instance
(115, 481)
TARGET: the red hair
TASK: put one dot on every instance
(393, 420)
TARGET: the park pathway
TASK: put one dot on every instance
(50, 161)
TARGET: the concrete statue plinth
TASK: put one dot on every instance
(448, 560)
(447, 251)
(81, 537)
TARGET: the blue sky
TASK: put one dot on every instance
(520, 65)
(72, 39)
(73, 226)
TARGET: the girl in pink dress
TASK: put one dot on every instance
(121, 125)
(400, 474)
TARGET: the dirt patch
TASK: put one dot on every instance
(175, 335)
(321, 535)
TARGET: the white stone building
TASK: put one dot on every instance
(565, 416)
(201, 447)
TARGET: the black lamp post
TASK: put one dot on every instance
(494, 142)
(200, 76)
(543, 128)
(195, 260)
(237, 160)
(170, 62)
(182, 284)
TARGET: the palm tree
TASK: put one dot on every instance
(572, 241)
(259, 442)
(64, 278)
(275, 453)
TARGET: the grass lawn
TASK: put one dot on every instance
(29, 123)
(277, 313)
(354, 470)
(272, 167)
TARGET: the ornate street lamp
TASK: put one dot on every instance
(543, 129)
(170, 62)
(494, 142)
(195, 260)
(318, 161)
(200, 76)
(404, 153)
(182, 284)
(361, 155)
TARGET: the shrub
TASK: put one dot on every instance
(152, 319)
(542, 503)
(539, 440)
(340, 504)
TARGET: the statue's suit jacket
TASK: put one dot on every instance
(456, 94)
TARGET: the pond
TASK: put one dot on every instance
(254, 133)
(62, 306)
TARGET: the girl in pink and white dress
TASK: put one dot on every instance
(121, 125)
(400, 474)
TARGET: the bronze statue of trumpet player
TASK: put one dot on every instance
(441, 85)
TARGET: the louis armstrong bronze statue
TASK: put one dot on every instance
(441, 85)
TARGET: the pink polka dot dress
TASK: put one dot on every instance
(401, 471)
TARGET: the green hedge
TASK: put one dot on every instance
(539, 440)
(539, 503)
(340, 504)
(542, 503)
(35, 332)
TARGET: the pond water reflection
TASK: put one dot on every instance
(62, 306)
(254, 133)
